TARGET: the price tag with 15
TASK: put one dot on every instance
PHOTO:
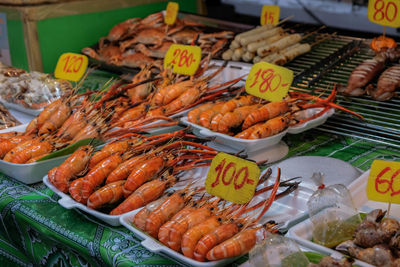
(171, 13)
(384, 181)
(71, 66)
(270, 15)
(183, 59)
(232, 178)
(269, 81)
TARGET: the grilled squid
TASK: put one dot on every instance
(387, 84)
(362, 75)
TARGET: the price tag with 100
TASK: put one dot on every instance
(270, 15)
(384, 181)
(269, 81)
(71, 66)
(384, 12)
(232, 178)
(183, 59)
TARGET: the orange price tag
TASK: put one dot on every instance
(171, 13)
(384, 12)
(269, 81)
(183, 59)
(270, 15)
(232, 178)
(384, 181)
(71, 66)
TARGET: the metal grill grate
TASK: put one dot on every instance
(381, 118)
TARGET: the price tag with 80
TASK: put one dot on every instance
(384, 12)
(269, 81)
(232, 178)
(270, 15)
(71, 66)
(183, 59)
(384, 181)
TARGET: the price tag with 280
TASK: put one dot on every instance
(183, 59)
(384, 181)
(232, 178)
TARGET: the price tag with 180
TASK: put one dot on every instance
(270, 15)
(232, 178)
(183, 59)
(384, 12)
(384, 181)
(269, 81)
(71, 66)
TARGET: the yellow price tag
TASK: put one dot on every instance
(270, 15)
(171, 13)
(232, 178)
(384, 12)
(269, 81)
(384, 181)
(71, 66)
(183, 59)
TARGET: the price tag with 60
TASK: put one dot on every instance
(232, 178)
(384, 181)
(269, 81)
(71, 66)
(270, 15)
(384, 12)
(183, 59)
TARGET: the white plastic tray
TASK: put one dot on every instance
(68, 202)
(287, 211)
(250, 146)
(18, 107)
(302, 232)
(157, 247)
(28, 173)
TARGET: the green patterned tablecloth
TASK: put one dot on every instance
(35, 230)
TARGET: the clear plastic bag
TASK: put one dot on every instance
(333, 215)
(32, 90)
(276, 251)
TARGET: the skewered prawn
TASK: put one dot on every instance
(108, 194)
(109, 149)
(164, 212)
(235, 118)
(70, 168)
(141, 217)
(266, 129)
(144, 195)
(238, 102)
(194, 114)
(266, 112)
(81, 188)
(207, 116)
(56, 119)
(34, 150)
(163, 232)
(9, 144)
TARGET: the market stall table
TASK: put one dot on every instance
(36, 230)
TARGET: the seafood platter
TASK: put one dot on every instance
(374, 238)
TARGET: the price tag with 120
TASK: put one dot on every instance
(183, 59)
(171, 13)
(270, 15)
(232, 178)
(269, 81)
(384, 181)
(384, 12)
(71, 66)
